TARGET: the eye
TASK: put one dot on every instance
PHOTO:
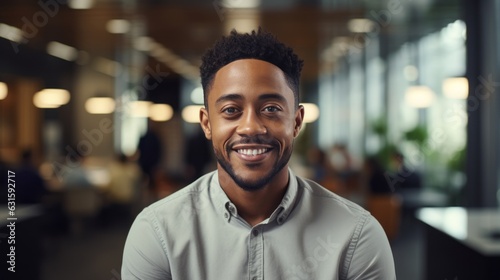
(271, 109)
(230, 110)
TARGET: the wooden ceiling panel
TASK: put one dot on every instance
(186, 30)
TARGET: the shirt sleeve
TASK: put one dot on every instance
(144, 255)
(371, 253)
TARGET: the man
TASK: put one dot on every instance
(253, 218)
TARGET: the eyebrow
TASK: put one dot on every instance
(228, 97)
(274, 96)
(236, 96)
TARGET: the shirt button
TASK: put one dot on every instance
(280, 220)
(255, 233)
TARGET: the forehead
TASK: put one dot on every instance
(249, 77)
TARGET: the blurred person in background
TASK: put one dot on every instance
(376, 177)
(405, 176)
(150, 154)
(341, 160)
(346, 171)
(197, 155)
(323, 172)
(123, 187)
(253, 218)
(319, 164)
(77, 176)
(30, 186)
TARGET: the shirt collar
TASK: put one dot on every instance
(227, 209)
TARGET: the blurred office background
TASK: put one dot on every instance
(99, 104)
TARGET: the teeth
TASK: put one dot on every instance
(252, 152)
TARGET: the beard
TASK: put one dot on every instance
(253, 184)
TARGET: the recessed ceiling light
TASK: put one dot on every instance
(240, 4)
(456, 88)
(11, 33)
(419, 96)
(311, 112)
(118, 26)
(360, 25)
(51, 98)
(3, 90)
(191, 113)
(80, 4)
(161, 112)
(100, 105)
(62, 51)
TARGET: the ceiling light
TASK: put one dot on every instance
(80, 4)
(159, 51)
(340, 46)
(339, 40)
(419, 96)
(240, 4)
(360, 25)
(411, 73)
(3, 90)
(100, 105)
(62, 51)
(11, 33)
(161, 112)
(242, 24)
(456, 88)
(118, 26)
(143, 43)
(191, 113)
(197, 96)
(108, 66)
(51, 98)
(311, 112)
(139, 109)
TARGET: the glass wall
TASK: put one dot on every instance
(410, 99)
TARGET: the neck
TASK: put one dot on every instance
(255, 206)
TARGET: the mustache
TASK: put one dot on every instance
(258, 139)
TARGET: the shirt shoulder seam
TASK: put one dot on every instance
(153, 219)
(334, 197)
(353, 244)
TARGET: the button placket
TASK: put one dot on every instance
(256, 253)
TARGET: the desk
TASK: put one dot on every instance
(461, 243)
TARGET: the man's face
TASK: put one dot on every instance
(252, 121)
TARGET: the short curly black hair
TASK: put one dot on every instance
(258, 44)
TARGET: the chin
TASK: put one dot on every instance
(251, 184)
(253, 177)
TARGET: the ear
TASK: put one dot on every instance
(299, 119)
(205, 124)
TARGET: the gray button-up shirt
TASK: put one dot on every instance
(196, 233)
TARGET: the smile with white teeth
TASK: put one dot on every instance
(251, 152)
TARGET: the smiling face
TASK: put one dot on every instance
(252, 120)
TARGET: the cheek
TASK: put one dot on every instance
(220, 134)
(287, 136)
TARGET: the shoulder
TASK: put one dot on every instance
(182, 201)
(317, 194)
(367, 252)
(167, 218)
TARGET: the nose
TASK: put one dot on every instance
(250, 124)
